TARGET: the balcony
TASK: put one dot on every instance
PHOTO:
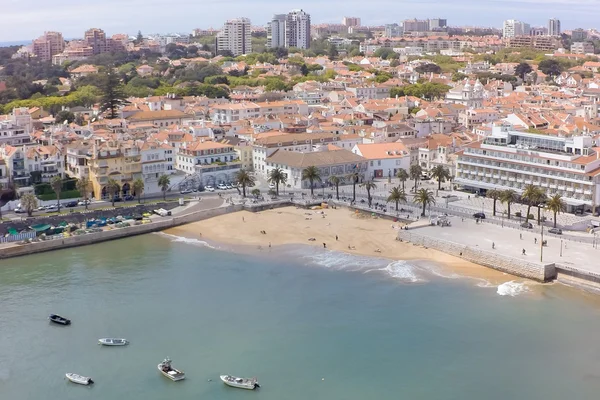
(218, 166)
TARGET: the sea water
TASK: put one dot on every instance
(308, 323)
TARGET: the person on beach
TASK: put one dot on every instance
(243, 219)
(493, 245)
(521, 236)
(523, 251)
(336, 238)
(324, 246)
(269, 244)
(534, 240)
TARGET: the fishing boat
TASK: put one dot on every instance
(113, 342)
(167, 370)
(57, 319)
(81, 380)
(241, 383)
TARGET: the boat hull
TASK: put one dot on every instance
(57, 319)
(113, 342)
(78, 379)
(245, 385)
(179, 376)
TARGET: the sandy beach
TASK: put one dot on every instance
(357, 233)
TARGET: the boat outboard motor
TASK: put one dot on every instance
(256, 385)
(90, 380)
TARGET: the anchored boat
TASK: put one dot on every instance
(241, 383)
(167, 370)
(57, 319)
(113, 342)
(81, 380)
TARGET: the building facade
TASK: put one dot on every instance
(297, 29)
(235, 37)
(46, 46)
(351, 21)
(554, 27)
(276, 31)
(513, 27)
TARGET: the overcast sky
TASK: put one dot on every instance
(27, 19)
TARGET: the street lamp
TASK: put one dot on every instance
(503, 213)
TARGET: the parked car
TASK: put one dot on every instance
(479, 215)
(42, 208)
(221, 186)
(271, 186)
(185, 191)
(71, 203)
(129, 197)
(19, 210)
(527, 225)
(556, 231)
(209, 188)
(52, 207)
(84, 202)
(228, 186)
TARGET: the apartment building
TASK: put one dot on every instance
(554, 27)
(120, 161)
(233, 112)
(582, 48)
(16, 164)
(297, 29)
(157, 159)
(13, 134)
(235, 37)
(370, 91)
(276, 31)
(475, 117)
(44, 163)
(393, 30)
(77, 158)
(96, 39)
(160, 118)
(545, 43)
(384, 159)
(48, 45)
(509, 159)
(513, 27)
(351, 21)
(212, 162)
(415, 25)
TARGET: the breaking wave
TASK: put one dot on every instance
(511, 288)
(182, 239)
(404, 271)
(343, 261)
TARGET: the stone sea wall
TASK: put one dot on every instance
(531, 270)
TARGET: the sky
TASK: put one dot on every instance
(28, 19)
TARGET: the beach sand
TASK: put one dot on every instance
(365, 234)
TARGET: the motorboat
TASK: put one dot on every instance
(113, 342)
(81, 380)
(241, 383)
(167, 370)
(57, 319)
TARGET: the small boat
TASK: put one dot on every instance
(82, 380)
(167, 370)
(113, 342)
(57, 319)
(241, 383)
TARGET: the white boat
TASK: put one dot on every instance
(167, 370)
(113, 342)
(82, 380)
(241, 383)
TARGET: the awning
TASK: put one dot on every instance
(40, 227)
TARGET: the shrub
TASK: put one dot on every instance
(69, 194)
(518, 214)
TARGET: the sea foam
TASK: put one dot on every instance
(511, 288)
(182, 239)
(404, 271)
(343, 261)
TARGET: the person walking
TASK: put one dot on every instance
(336, 237)
(493, 245)
(324, 246)
(523, 251)
(534, 240)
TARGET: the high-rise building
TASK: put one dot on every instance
(554, 27)
(297, 29)
(235, 37)
(351, 21)
(578, 35)
(48, 45)
(512, 28)
(276, 31)
(415, 25)
(392, 31)
(539, 31)
(96, 39)
(437, 24)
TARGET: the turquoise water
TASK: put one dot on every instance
(308, 324)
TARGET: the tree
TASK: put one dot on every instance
(164, 182)
(29, 203)
(140, 38)
(550, 67)
(533, 195)
(64, 115)
(112, 95)
(441, 174)
(424, 197)
(415, 173)
(112, 187)
(523, 69)
(304, 69)
(508, 196)
(397, 195)
(428, 68)
(557, 205)
(332, 52)
(354, 177)
(244, 179)
(402, 175)
(255, 193)
(369, 185)
(277, 176)
(334, 180)
(83, 186)
(138, 188)
(311, 174)
(494, 195)
(56, 185)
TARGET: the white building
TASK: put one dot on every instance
(276, 31)
(232, 112)
(384, 159)
(512, 28)
(554, 27)
(297, 29)
(235, 37)
(157, 159)
(467, 94)
(211, 162)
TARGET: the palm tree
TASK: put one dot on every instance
(164, 182)
(334, 180)
(244, 179)
(397, 195)
(29, 203)
(138, 188)
(56, 185)
(494, 195)
(354, 177)
(311, 174)
(369, 185)
(112, 187)
(508, 196)
(424, 197)
(277, 176)
(83, 186)
(441, 174)
(402, 175)
(533, 195)
(415, 173)
(557, 205)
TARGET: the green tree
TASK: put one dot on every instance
(334, 180)
(369, 185)
(304, 69)
(354, 177)
(441, 174)
(522, 69)
(415, 173)
(508, 196)
(533, 195)
(64, 115)
(112, 95)
(140, 38)
(556, 205)
(112, 188)
(494, 195)
(424, 197)
(255, 193)
(311, 174)
(550, 67)
(83, 186)
(164, 182)
(29, 203)
(56, 184)
(138, 188)
(245, 179)
(397, 195)
(277, 177)
(402, 175)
